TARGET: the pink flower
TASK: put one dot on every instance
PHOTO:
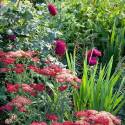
(52, 9)
(22, 109)
(81, 122)
(51, 117)
(51, 70)
(35, 59)
(12, 88)
(3, 70)
(38, 123)
(63, 88)
(21, 101)
(60, 47)
(85, 113)
(27, 88)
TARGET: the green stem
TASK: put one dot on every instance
(18, 3)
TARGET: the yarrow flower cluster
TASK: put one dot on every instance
(93, 117)
(38, 123)
(66, 76)
(92, 56)
(31, 89)
(61, 75)
(10, 57)
(86, 117)
(19, 101)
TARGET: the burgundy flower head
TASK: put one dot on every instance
(11, 37)
(60, 47)
(52, 9)
(92, 56)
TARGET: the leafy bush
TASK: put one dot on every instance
(97, 90)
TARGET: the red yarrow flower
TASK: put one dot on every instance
(38, 87)
(19, 70)
(63, 88)
(60, 47)
(12, 88)
(19, 65)
(52, 9)
(34, 68)
(38, 123)
(8, 61)
(51, 117)
(7, 107)
(85, 113)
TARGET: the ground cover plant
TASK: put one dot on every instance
(62, 62)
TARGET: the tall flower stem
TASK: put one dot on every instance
(18, 3)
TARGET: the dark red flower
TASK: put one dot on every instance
(12, 88)
(92, 56)
(92, 61)
(8, 61)
(7, 107)
(86, 113)
(60, 47)
(63, 88)
(19, 70)
(38, 87)
(27, 88)
(52, 9)
(52, 117)
(11, 37)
